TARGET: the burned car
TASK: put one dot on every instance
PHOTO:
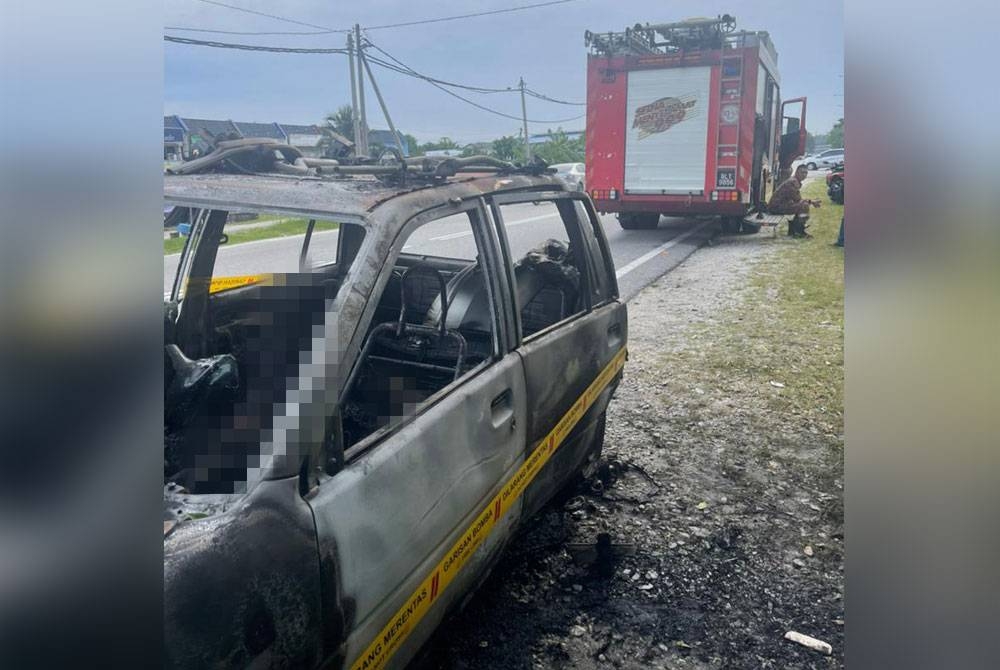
(362, 408)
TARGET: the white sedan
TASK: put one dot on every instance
(572, 174)
(823, 160)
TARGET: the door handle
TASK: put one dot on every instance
(614, 335)
(502, 408)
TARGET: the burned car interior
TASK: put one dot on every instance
(229, 352)
(434, 323)
(231, 349)
(364, 363)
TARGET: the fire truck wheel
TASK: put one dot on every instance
(639, 221)
(730, 225)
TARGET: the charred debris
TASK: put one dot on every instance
(269, 157)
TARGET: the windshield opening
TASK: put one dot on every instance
(245, 294)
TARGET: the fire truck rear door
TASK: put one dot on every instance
(666, 136)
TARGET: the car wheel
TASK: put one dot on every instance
(589, 467)
(639, 221)
(810, 166)
(836, 191)
(593, 457)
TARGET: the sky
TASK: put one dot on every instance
(544, 45)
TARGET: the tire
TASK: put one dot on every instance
(836, 191)
(589, 466)
(811, 166)
(638, 221)
(730, 225)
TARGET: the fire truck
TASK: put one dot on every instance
(686, 119)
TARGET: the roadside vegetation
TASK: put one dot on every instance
(790, 329)
(282, 228)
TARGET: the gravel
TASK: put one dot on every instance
(727, 515)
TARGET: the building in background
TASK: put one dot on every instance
(307, 139)
(174, 137)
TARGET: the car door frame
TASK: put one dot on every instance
(609, 315)
(348, 524)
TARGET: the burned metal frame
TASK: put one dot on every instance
(302, 600)
(385, 212)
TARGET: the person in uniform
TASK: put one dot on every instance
(787, 199)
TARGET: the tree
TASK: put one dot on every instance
(412, 145)
(443, 143)
(342, 121)
(560, 148)
(810, 143)
(836, 136)
(508, 148)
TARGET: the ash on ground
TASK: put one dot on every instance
(725, 518)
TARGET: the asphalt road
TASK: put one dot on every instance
(640, 256)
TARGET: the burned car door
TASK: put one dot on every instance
(428, 445)
(572, 328)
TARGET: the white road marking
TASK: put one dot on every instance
(466, 233)
(659, 250)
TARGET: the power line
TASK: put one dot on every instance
(402, 68)
(253, 32)
(250, 47)
(397, 66)
(326, 31)
(478, 89)
(536, 94)
(272, 16)
(493, 111)
(469, 16)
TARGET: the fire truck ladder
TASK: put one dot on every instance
(730, 94)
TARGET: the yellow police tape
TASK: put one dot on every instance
(419, 603)
(217, 284)
(226, 283)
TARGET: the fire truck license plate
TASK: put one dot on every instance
(725, 178)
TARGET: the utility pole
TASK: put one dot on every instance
(355, 117)
(361, 89)
(524, 115)
(381, 102)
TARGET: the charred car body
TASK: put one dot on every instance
(354, 432)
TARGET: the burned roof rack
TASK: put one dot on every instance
(270, 157)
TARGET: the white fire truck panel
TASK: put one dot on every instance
(667, 130)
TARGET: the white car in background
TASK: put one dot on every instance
(572, 174)
(822, 160)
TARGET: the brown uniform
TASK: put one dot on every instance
(787, 199)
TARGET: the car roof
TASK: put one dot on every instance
(346, 200)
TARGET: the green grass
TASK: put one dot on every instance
(286, 228)
(788, 329)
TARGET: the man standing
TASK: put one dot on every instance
(787, 199)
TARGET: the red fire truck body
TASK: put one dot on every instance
(685, 119)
